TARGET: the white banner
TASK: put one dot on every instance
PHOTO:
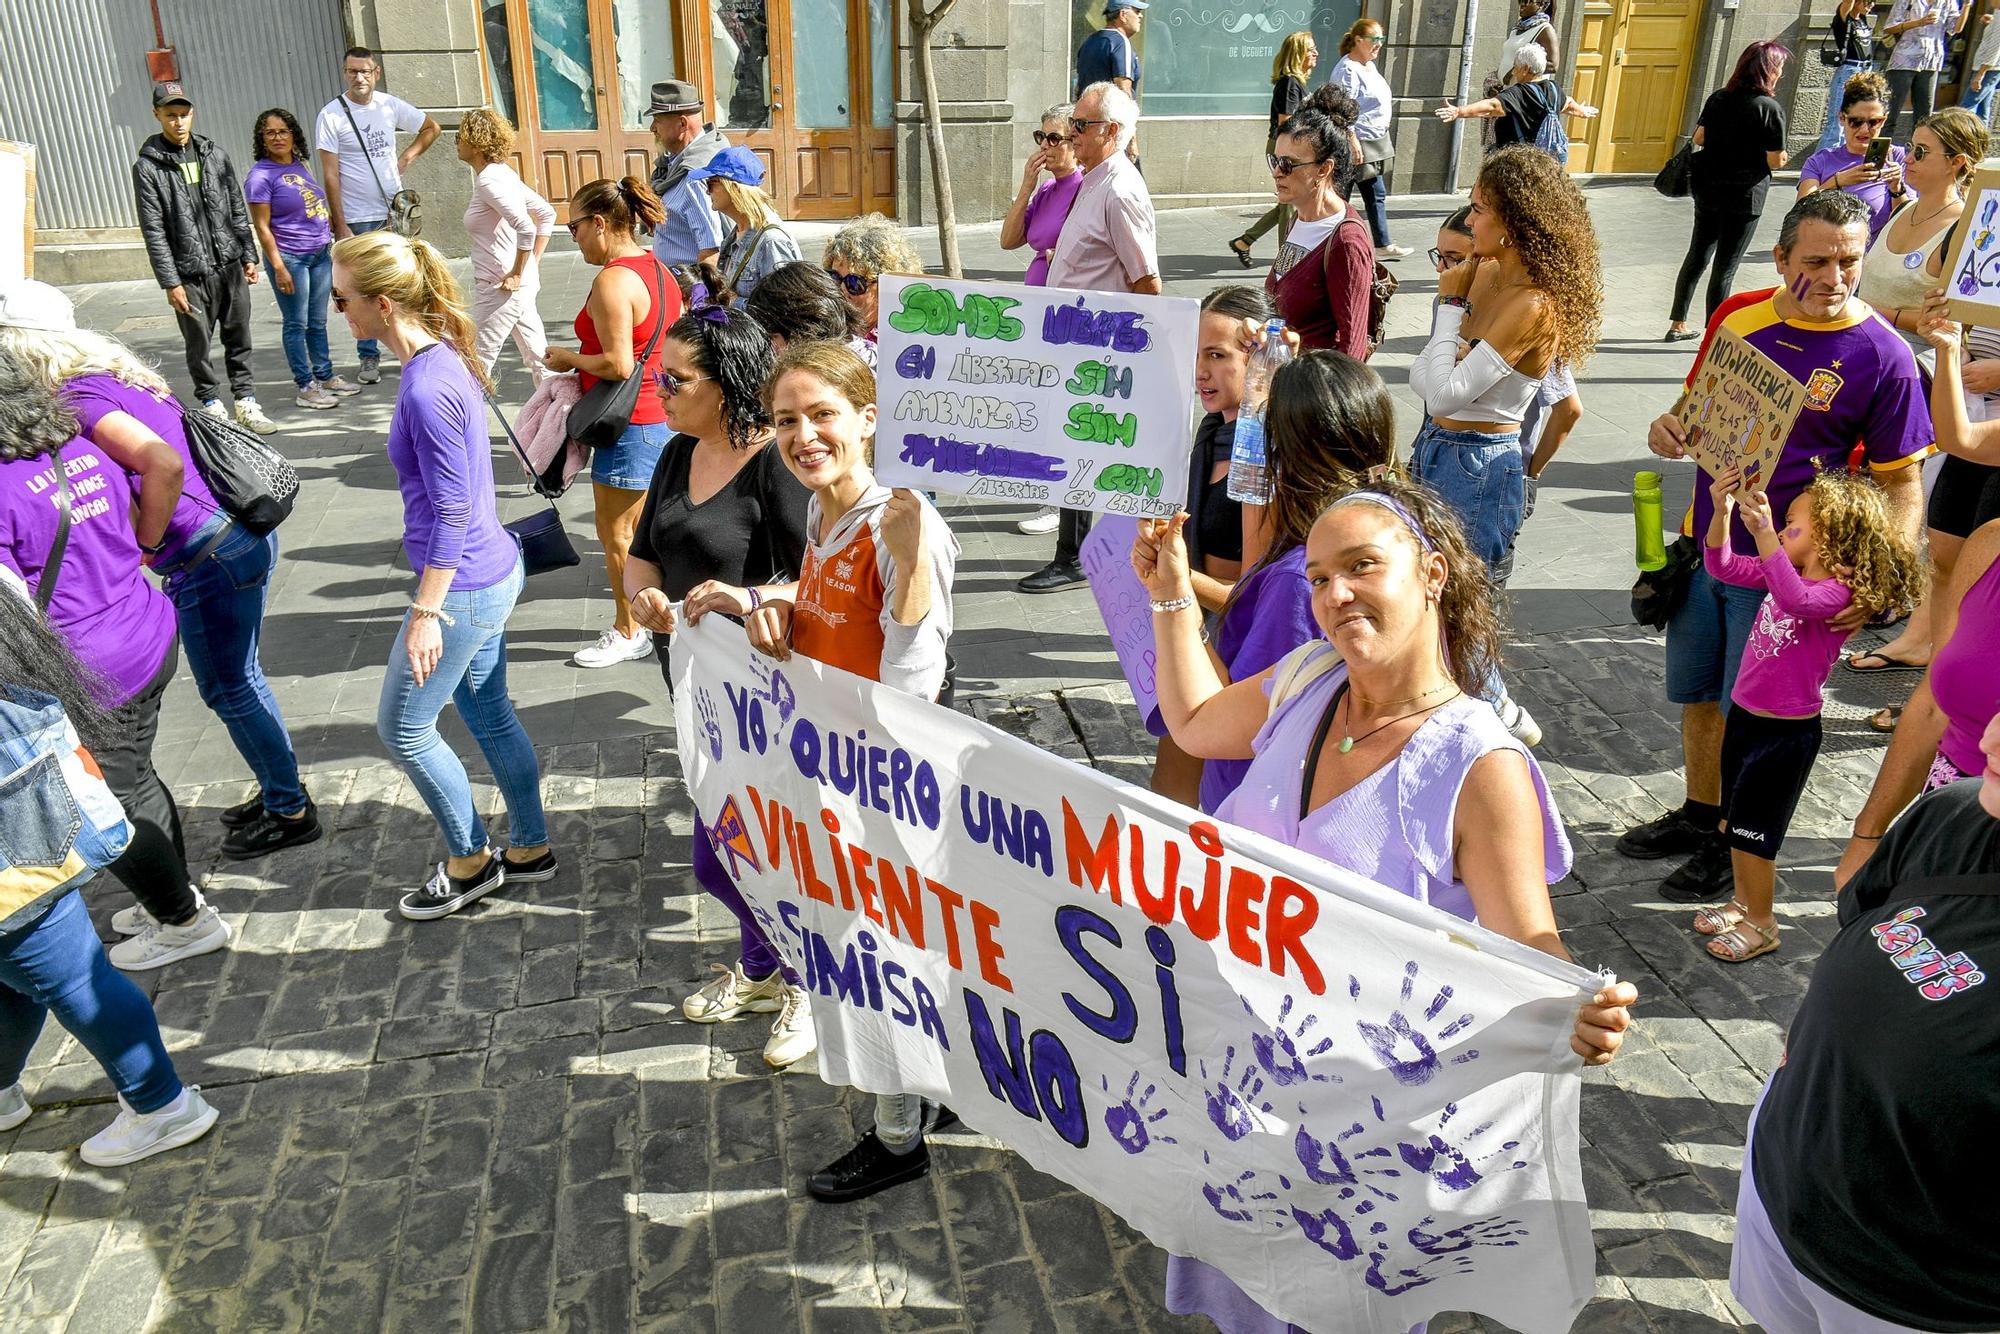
(1361, 1109)
(1036, 394)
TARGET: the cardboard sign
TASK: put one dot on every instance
(1124, 603)
(1739, 409)
(1972, 278)
(1035, 394)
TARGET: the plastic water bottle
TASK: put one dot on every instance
(1650, 550)
(1249, 473)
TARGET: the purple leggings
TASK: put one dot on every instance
(759, 959)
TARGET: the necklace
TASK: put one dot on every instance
(1392, 703)
(1348, 743)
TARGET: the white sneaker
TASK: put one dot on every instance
(251, 417)
(339, 388)
(313, 396)
(134, 1135)
(1391, 251)
(1042, 521)
(159, 945)
(131, 921)
(213, 407)
(1520, 724)
(14, 1108)
(731, 994)
(371, 370)
(793, 1037)
(613, 648)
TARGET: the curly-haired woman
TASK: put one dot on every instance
(289, 214)
(509, 225)
(859, 254)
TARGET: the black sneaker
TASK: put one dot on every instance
(268, 833)
(866, 1168)
(243, 813)
(1053, 578)
(1706, 877)
(541, 868)
(446, 893)
(1668, 836)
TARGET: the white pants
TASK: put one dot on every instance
(497, 314)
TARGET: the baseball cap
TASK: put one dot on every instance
(674, 97)
(732, 164)
(28, 304)
(166, 94)
(1113, 6)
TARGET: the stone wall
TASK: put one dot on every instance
(430, 58)
(974, 63)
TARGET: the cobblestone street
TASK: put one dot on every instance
(499, 1121)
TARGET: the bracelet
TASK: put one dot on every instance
(1458, 301)
(1866, 838)
(1181, 603)
(756, 598)
(435, 613)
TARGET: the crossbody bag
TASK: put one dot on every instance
(406, 217)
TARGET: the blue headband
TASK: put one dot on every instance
(1395, 507)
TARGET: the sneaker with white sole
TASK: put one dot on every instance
(14, 1108)
(316, 398)
(1520, 724)
(213, 407)
(131, 921)
(613, 648)
(444, 893)
(1391, 251)
(1043, 521)
(135, 1135)
(340, 388)
(732, 992)
(250, 416)
(371, 371)
(160, 944)
(793, 1037)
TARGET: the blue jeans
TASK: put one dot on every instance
(472, 675)
(367, 348)
(1375, 194)
(1978, 98)
(1479, 476)
(304, 311)
(57, 964)
(1705, 640)
(1832, 134)
(219, 604)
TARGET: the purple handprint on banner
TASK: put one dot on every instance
(777, 691)
(1492, 1231)
(1234, 1108)
(1239, 1201)
(1278, 1049)
(1327, 1164)
(711, 722)
(1449, 1164)
(1130, 1123)
(1407, 1054)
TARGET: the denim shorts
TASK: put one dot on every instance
(629, 465)
(1705, 639)
(1479, 476)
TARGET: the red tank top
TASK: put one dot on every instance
(666, 293)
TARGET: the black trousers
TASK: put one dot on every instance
(154, 867)
(219, 300)
(1075, 526)
(1725, 235)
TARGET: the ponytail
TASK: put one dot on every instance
(412, 274)
(626, 205)
(444, 312)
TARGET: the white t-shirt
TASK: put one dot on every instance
(361, 199)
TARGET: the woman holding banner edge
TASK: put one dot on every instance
(882, 612)
(1403, 601)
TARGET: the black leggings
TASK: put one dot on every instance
(1726, 236)
(154, 867)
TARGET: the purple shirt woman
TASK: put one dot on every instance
(1036, 218)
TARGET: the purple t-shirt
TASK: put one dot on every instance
(1791, 649)
(94, 397)
(1830, 162)
(1963, 681)
(299, 215)
(104, 606)
(1044, 221)
(1270, 616)
(444, 468)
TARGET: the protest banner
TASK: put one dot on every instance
(1739, 409)
(1035, 394)
(1972, 276)
(1361, 1109)
(1123, 602)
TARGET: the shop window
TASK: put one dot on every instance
(644, 32)
(1202, 58)
(565, 88)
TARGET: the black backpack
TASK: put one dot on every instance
(254, 483)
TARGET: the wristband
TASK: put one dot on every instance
(1458, 301)
(1867, 838)
(1181, 603)
(434, 613)
(155, 549)
(756, 598)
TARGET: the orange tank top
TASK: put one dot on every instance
(651, 409)
(837, 615)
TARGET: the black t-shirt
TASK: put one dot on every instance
(1738, 130)
(1286, 95)
(1527, 106)
(1855, 37)
(752, 531)
(1216, 522)
(1874, 1153)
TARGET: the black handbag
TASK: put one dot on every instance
(1658, 594)
(1676, 179)
(255, 484)
(606, 408)
(545, 543)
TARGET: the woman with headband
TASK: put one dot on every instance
(1371, 750)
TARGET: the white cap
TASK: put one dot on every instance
(31, 305)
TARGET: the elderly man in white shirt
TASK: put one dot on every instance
(1107, 244)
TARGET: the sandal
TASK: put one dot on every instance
(1241, 249)
(1715, 921)
(1885, 719)
(1735, 946)
(1883, 663)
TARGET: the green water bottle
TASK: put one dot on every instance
(1651, 550)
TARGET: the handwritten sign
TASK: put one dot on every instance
(1972, 278)
(1361, 1109)
(1124, 603)
(1739, 409)
(1078, 399)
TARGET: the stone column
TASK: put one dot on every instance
(972, 59)
(430, 58)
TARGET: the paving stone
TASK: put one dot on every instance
(350, 1297)
(512, 1290)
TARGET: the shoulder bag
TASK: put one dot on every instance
(545, 543)
(45, 587)
(606, 408)
(1658, 594)
(254, 483)
(406, 216)
(1676, 179)
(1381, 282)
(62, 824)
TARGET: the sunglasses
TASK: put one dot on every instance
(1857, 123)
(340, 302)
(1921, 151)
(853, 283)
(1047, 140)
(1284, 166)
(1079, 125)
(672, 384)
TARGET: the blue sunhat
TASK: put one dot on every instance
(731, 164)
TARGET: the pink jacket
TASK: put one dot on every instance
(544, 426)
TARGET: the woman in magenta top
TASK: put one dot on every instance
(1036, 218)
(1373, 751)
(1325, 269)
(632, 298)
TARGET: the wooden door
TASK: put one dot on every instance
(1632, 64)
(1595, 83)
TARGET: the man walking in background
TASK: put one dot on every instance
(694, 232)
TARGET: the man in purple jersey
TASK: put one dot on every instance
(1861, 386)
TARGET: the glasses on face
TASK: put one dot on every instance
(1047, 139)
(1920, 152)
(1441, 261)
(672, 384)
(340, 303)
(1078, 125)
(368, 73)
(852, 283)
(1872, 123)
(1374, 37)
(1284, 166)
(575, 223)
